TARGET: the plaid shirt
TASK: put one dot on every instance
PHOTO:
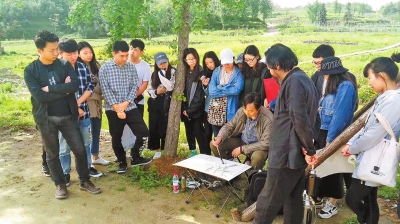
(85, 83)
(119, 84)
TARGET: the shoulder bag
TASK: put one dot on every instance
(379, 164)
(217, 111)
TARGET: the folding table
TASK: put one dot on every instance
(214, 166)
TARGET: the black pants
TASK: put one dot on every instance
(208, 132)
(69, 128)
(362, 200)
(135, 122)
(158, 121)
(282, 187)
(195, 129)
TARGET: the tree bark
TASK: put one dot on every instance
(174, 117)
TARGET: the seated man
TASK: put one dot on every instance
(247, 133)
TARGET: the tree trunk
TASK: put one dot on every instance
(174, 117)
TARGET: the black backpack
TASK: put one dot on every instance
(256, 181)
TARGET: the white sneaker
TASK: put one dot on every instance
(100, 161)
(328, 211)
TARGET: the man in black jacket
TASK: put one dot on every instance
(52, 83)
(291, 133)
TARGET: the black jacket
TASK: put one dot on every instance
(36, 77)
(194, 106)
(294, 118)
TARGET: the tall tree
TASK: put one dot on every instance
(313, 11)
(266, 7)
(348, 15)
(322, 15)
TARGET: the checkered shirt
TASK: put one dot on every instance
(119, 84)
(85, 83)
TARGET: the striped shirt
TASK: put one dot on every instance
(118, 84)
(85, 83)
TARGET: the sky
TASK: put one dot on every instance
(375, 4)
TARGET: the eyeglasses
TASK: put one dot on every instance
(250, 60)
(316, 62)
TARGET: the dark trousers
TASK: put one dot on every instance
(135, 122)
(140, 107)
(44, 163)
(158, 121)
(208, 132)
(195, 129)
(69, 128)
(282, 187)
(362, 200)
(95, 122)
(216, 129)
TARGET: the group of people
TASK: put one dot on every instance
(284, 121)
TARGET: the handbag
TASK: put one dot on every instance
(379, 164)
(217, 111)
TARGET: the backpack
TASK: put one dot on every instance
(256, 179)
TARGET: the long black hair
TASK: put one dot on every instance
(195, 75)
(335, 80)
(247, 71)
(214, 57)
(155, 80)
(94, 65)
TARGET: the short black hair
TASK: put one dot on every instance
(137, 43)
(68, 45)
(44, 37)
(323, 51)
(120, 45)
(279, 54)
(252, 97)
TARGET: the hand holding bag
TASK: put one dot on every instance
(217, 111)
(379, 164)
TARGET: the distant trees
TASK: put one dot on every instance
(337, 7)
(348, 14)
(391, 10)
(313, 11)
(322, 15)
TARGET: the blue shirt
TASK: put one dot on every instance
(119, 84)
(249, 134)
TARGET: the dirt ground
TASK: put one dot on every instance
(26, 196)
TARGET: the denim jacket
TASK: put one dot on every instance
(337, 110)
(231, 90)
(388, 105)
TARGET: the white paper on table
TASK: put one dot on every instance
(213, 166)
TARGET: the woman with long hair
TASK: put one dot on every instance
(88, 57)
(193, 106)
(336, 110)
(382, 73)
(253, 73)
(160, 90)
(210, 62)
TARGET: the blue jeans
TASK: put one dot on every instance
(96, 127)
(65, 150)
(70, 130)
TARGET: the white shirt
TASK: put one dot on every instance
(144, 74)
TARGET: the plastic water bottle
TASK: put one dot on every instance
(175, 183)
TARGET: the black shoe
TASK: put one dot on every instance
(67, 179)
(89, 187)
(46, 171)
(94, 173)
(122, 168)
(61, 192)
(140, 161)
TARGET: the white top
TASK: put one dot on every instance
(144, 74)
